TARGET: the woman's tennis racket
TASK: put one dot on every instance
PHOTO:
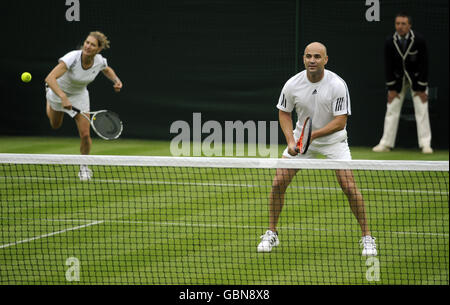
(105, 123)
(305, 137)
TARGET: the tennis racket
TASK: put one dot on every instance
(305, 137)
(106, 124)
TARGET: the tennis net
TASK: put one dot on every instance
(193, 221)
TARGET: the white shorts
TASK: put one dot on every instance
(80, 101)
(336, 151)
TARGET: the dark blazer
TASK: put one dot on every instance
(412, 63)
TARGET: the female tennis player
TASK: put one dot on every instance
(322, 95)
(66, 86)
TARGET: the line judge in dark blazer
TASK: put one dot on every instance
(406, 67)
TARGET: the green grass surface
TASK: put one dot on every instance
(55, 145)
(179, 226)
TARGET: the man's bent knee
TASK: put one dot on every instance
(280, 185)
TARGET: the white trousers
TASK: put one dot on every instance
(392, 117)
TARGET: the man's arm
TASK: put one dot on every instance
(423, 65)
(389, 54)
(337, 124)
(389, 70)
(422, 81)
(286, 125)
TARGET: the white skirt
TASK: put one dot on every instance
(80, 101)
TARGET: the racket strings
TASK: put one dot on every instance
(107, 124)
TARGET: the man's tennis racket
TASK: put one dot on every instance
(305, 137)
(105, 123)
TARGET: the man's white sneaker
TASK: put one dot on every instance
(85, 174)
(268, 241)
(369, 246)
(427, 150)
(381, 148)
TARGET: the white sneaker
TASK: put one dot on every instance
(268, 240)
(85, 174)
(370, 248)
(381, 148)
(427, 150)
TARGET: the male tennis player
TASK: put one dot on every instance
(323, 96)
(67, 86)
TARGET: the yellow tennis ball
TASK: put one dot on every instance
(26, 77)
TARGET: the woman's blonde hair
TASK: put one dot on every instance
(103, 41)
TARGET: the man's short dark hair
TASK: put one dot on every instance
(403, 14)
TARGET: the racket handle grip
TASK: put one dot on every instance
(76, 109)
